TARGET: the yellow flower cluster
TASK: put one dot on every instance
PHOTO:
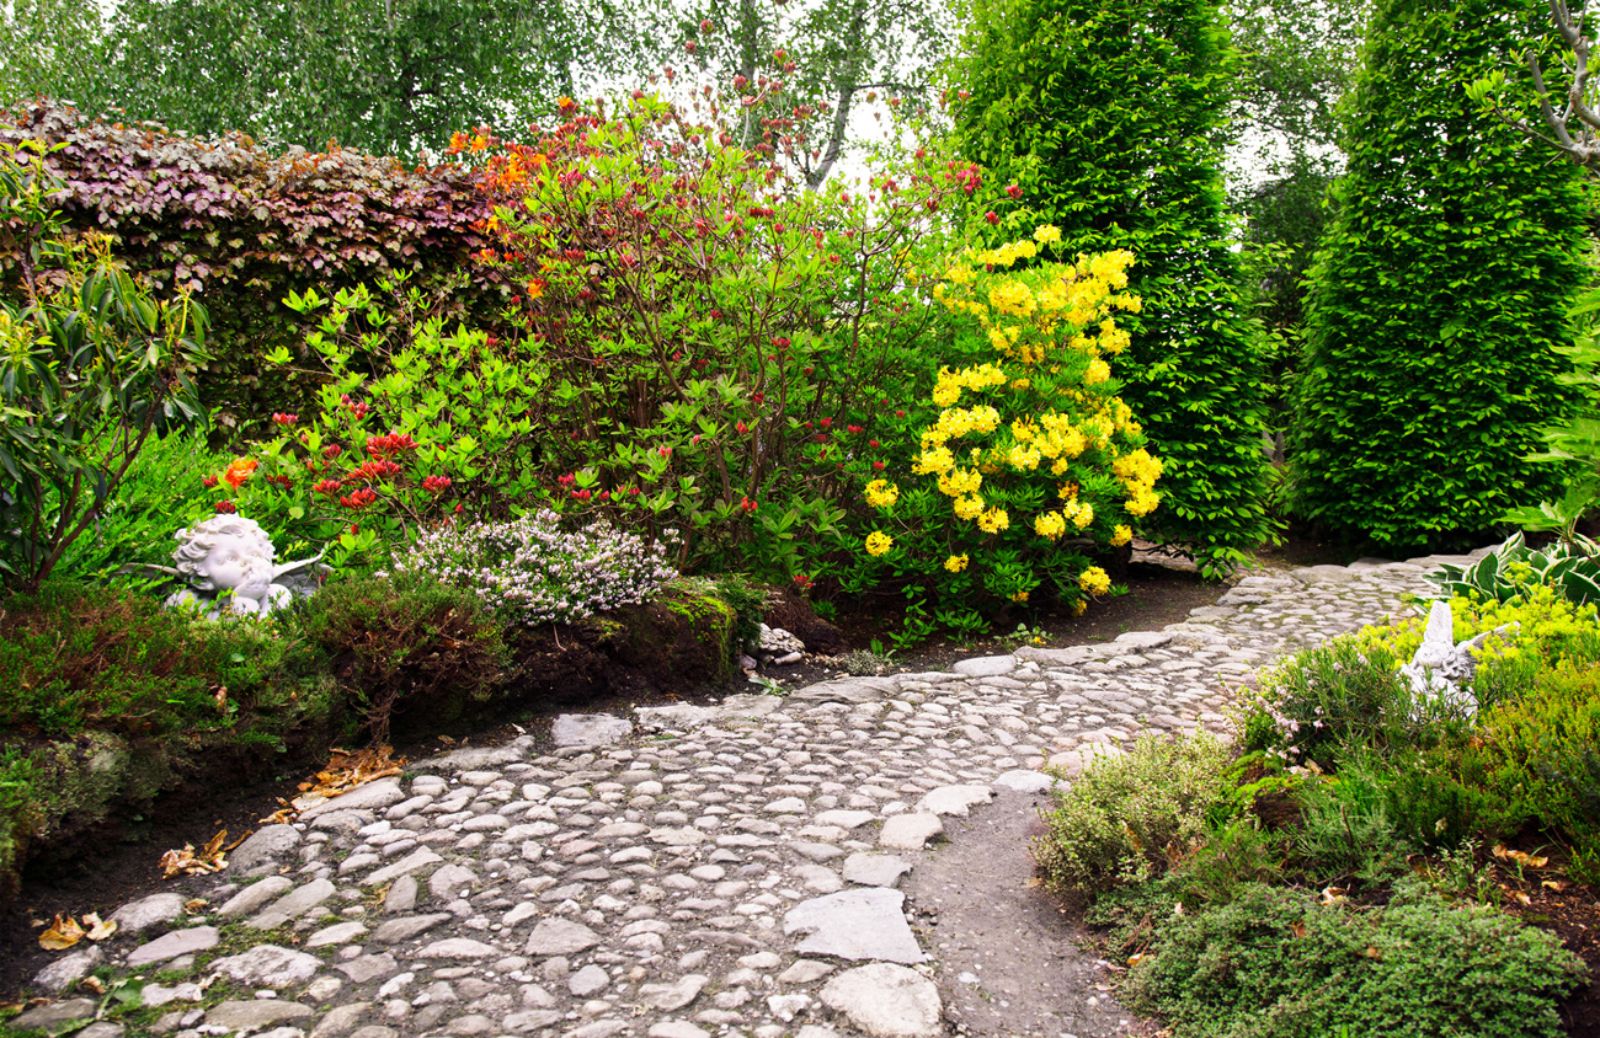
(969, 508)
(1050, 525)
(1094, 581)
(879, 543)
(1121, 535)
(1007, 254)
(956, 563)
(956, 422)
(882, 494)
(947, 390)
(959, 482)
(994, 520)
(1138, 470)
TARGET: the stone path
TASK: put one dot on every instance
(723, 870)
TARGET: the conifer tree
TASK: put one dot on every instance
(1111, 119)
(1439, 291)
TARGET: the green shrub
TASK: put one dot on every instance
(1274, 963)
(1130, 816)
(1109, 119)
(407, 644)
(106, 700)
(1345, 830)
(1542, 756)
(74, 658)
(161, 494)
(1440, 290)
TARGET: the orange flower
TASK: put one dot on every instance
(535, 289)
(239, 470)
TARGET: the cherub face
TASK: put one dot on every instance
(232, 564)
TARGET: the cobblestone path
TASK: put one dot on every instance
(723, 870)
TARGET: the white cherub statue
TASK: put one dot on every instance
(1440, 669)
(228, 562)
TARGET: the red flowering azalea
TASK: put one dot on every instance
(359, 498)
(209, 481)
(226, 507)
(283, 418)
(436, 484)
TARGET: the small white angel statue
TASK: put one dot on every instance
(227, 561)
(1440, 669)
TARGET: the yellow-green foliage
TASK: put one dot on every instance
(1027, 460)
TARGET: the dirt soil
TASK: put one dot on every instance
(1010, 962)
(1572, 913)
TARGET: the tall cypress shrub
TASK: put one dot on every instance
(1439, 290)
(1110, 118)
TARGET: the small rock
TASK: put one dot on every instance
(420, 858)
(1072, 763)
(173, 944)
(340, 1020)
(887, 1001)
(338, 933)
(406, 927)
(447, 880)
(674, 996)
(293, 905)
(591, 980)
(67, 970)
(805, 971)
(155, 910)
(49, 1017)
(254, 896)
(255, 1015)
(402, 897)
(369, 967)
(909, 832)
(560, 937)
(263, 849)
(458, 948)
(677, 1029)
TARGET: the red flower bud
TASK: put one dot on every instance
(226, 507)
(992, 216)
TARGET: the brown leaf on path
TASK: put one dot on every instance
(194, 905)
(189, 862)
(99, 929)
(1522, 858)
(62, 934)
(348, 769)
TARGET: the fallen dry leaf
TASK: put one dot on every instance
(1134, 960)
(94, 984)
(62, 934)
(189, 862)
(1298, 929)
(1372, 953)
(1333, 896)
(348, 769)
(1521, 858)
(99, 929)
(1554, 884)
(221, 699)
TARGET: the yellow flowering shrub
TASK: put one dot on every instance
(1025, 464)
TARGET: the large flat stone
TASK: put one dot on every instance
(148, 912)
(887, 1001)
(986, 666)
(369, 796)
(589, 730)
(268, 966)
(909, 832)
(875, 870)
(954, 800)
(175, 943)
(846, 690)
(476, 758)
(862, 923)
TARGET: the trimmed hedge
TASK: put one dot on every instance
(242, 227)
(1439, 292)
(1110, 119)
